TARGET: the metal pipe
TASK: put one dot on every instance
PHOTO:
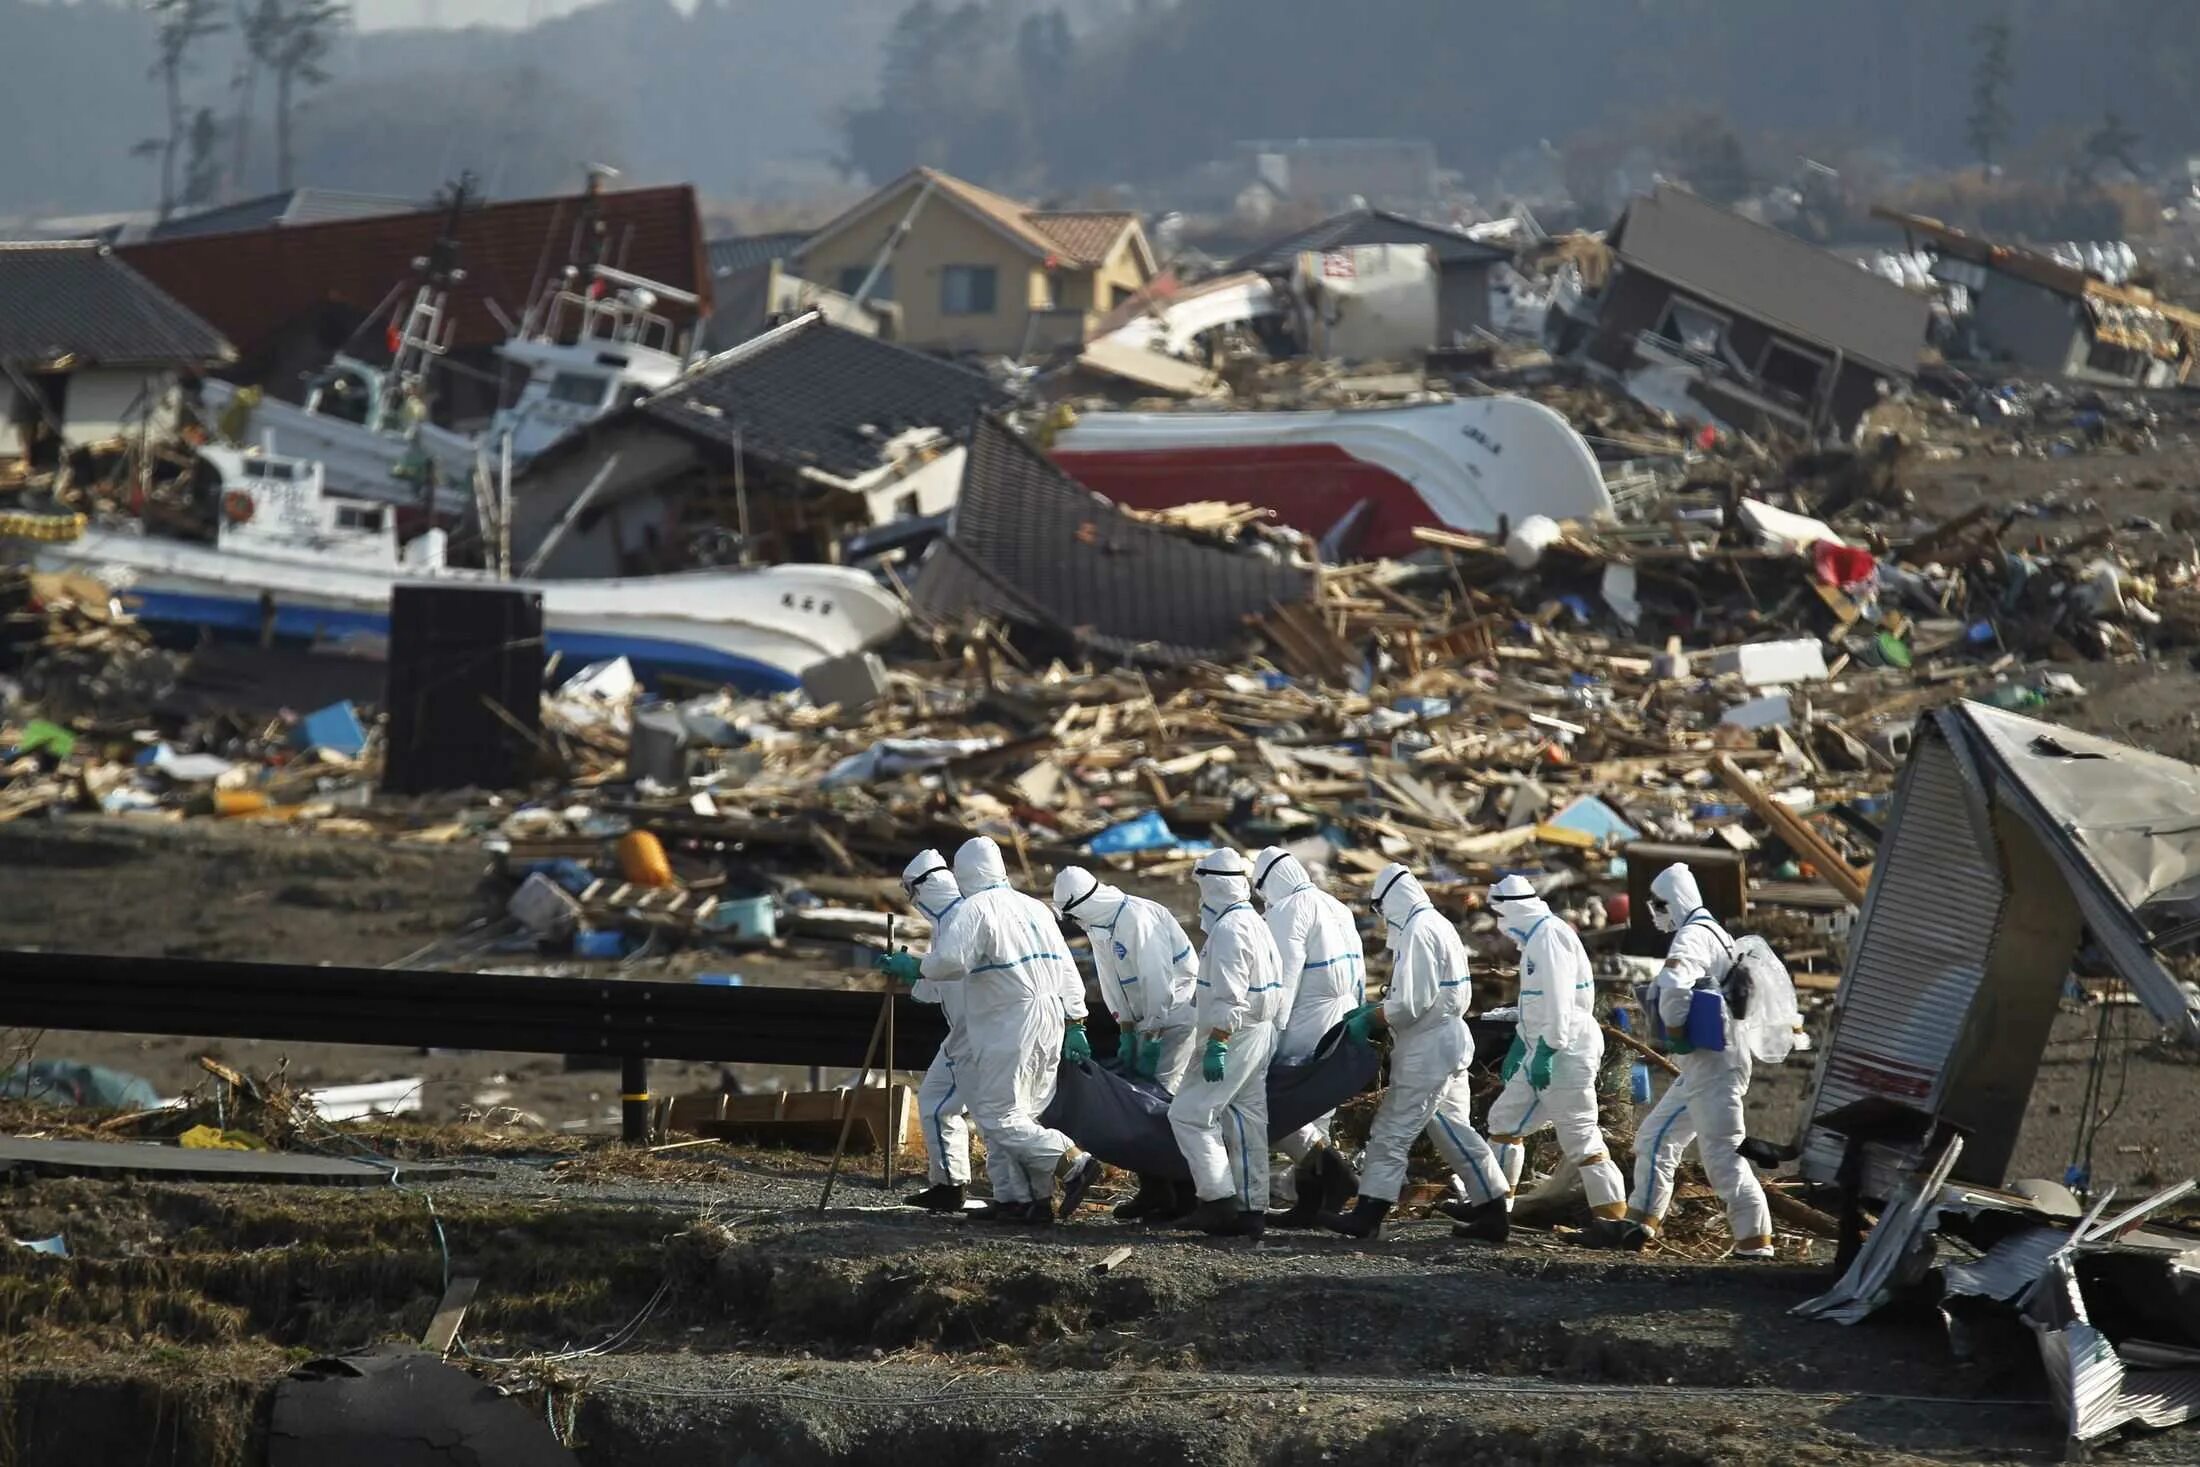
(634, 1100)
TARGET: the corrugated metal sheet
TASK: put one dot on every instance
(1916, 959)
(2096, 1393)
(2009, 1267)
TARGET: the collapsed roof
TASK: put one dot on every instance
(821, 400)
(1030, 544)
(1369, 227)
(1772, 276)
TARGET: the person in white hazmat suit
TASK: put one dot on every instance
(1551, 1071)
(1148, 975)
(1703, 1104)
(943, 1100)
(1424, 1008)
(1024, 1009)
(1220, 1114)
(1325, 978)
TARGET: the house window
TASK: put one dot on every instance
(1692, 328)
(905, 507)
(969, 290)
(1118, 294)
(851, 281)
(359, 517)
(2116, 361)
(1792, 370)
(582, 388)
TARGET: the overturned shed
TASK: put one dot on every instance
(1463, 264)
(1030, 545)
(796, 438)
(2011, 842)
(1756, 326)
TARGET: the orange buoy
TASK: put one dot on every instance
(642, 859)
(237, 505)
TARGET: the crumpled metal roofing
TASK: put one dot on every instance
(75, 304)
(1032, 545)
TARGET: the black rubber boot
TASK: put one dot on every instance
(1183, 1201)
(1618, 1233)
(945, 1197)
(1339, 1183)
(998, 1211)
(1306, 1177)
(1219, 1216)
(1490, 1222)
(1365, 1220)
(1155, 1197)
(1076, 1184)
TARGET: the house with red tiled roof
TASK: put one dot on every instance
(975, 271)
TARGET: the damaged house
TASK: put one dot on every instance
(1463, 266)
(90, 350)
(1707, 313)
(973, 271)
(2012, 843)
(2032, 311)
(773, 451)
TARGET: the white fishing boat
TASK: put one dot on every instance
(590, 342)
(319, 567)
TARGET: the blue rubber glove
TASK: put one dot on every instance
(901, 965)
(1513, 1057)
(1539, 1068)
(1075, 1046)
(1126, 1049)
(1217, 1055)
(1149, 1057)
(1360, 1022)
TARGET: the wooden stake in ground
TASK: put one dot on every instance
(848, 1108)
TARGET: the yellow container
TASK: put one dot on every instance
(642, 859)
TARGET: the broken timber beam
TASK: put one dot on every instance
(1796, 832)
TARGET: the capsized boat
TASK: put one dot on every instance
(1357, 479)
(320, 568)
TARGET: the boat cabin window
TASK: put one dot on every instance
(270, 468)
(366, 517)
(584, 388)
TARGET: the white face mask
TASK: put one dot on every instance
(1661, 916)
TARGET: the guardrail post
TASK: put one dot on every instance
(634, 1101)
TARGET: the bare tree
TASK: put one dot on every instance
(259, 25)
(291, 38)
(183, 24)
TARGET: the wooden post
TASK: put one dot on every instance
(893, 1131)
(848, 1107)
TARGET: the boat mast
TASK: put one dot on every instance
(423, 332)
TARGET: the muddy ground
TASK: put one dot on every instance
(887, 1336)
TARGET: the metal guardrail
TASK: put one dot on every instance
(634, 1020)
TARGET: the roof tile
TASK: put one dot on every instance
(75, 302)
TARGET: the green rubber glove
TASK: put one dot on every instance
(901, 965)
(1539, 1068)
(1126, 1049)
(1149, 1057)
(1217, 1055)
(1513, 1057)
(1358, 1023)
(1075, 1046)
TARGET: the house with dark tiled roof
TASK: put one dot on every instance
(89, 348)
(784, 444)
(1463, 264)
(974, 271)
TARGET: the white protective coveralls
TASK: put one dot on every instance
(1557, 1009)
(1222, 1125)
(1704, 1102)
(1324, 976)
(943, 1100)
(1425, 1009)
(1145, 962)
(1022, 990)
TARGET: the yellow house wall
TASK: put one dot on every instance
(944, 235)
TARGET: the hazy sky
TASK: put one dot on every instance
(375, 15)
